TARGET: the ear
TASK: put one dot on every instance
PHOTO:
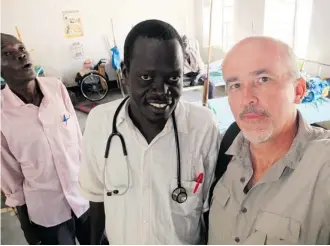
(124, 71)
(300, 90)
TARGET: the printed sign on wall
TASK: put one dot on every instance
(72, 24)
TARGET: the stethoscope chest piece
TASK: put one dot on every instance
(179, 195)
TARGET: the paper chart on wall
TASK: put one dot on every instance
(72, 24)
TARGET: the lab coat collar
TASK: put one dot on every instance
(181, 116)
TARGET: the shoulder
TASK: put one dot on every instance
(317, 153)
(319, 141)
(50, 82)
(102, 115)
(106, 109)
(199, 117)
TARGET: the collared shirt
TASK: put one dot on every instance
(289, 205)
(40, 154)
(146, 213)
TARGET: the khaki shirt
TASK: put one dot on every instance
(289, 205)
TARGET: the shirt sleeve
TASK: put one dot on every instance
(213, 145)
(90, 177)
(324, 185)
(11, 176)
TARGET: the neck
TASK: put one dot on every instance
(28, 92)
(148, 129)
(263, 158)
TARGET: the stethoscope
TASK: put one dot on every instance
(179, 194)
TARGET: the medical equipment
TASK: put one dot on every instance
(179, 194)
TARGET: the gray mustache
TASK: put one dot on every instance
(254, 109)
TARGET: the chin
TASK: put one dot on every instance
(258, 137)
(27, 76)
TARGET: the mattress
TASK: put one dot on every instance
(312, 112)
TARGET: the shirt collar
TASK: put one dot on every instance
(240, 146)
(9, 100)
(181, 116)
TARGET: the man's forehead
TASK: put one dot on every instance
(150, 50)
(248, 59)
(152, 44)
(9, 41)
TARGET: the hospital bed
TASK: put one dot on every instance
(312, 112)
(215, 76)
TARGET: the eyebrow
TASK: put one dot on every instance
(255, 73)
(231, 79)
(258, 72)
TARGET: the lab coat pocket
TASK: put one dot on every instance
(276, 230)
(186, 216)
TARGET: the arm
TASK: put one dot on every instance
(212, 146)
(97, 216)
(11, 176)
(91, 180)
(12, 186)
(325, 185)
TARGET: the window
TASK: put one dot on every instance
(280, 20)
(289, 21)
(222, 23)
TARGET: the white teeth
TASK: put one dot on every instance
(158, 105)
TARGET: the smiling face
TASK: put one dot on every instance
(262, 87)
(155, 77)
(16, 66)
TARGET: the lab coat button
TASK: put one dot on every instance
(237, 239)
(242, 180)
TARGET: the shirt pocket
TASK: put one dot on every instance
(68, 127)
(186, 216)
(222, 214)
(221, 195)
(273, 229)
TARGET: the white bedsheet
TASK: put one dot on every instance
(311, 112)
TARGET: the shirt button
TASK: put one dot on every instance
(237, 239)
(242, 180)
(244, 210)
(145, 222)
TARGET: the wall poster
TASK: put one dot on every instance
(72, 24)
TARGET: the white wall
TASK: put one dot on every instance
(42, 30)
(314, 35)
(247, 13)
(248, 18)
(318, 48)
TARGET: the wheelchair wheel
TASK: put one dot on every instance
(94, 86)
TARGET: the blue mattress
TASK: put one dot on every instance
(312, 112)
(215, 73)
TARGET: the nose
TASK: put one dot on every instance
(158, 86)
(21, 56)
(249, 95)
